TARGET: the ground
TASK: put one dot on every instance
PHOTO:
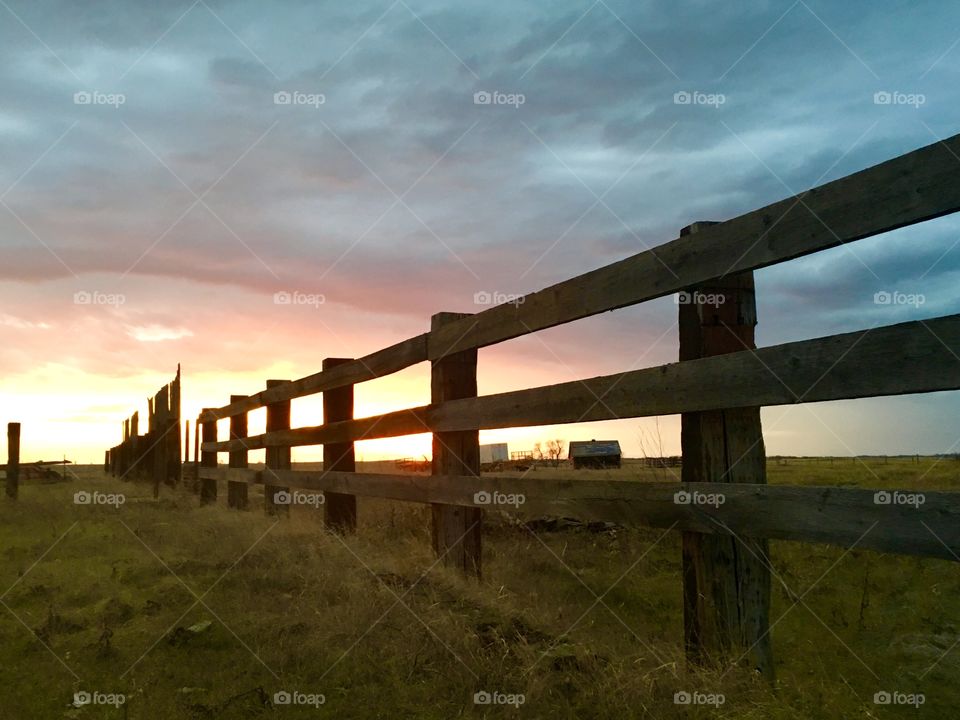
(193, 612)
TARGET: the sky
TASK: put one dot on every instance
(169, 168)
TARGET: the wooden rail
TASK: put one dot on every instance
(719, 386)
(829, 515)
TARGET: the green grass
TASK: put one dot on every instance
(109, 594)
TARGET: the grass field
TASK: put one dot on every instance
(193, 612)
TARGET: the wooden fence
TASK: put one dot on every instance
(156, 455)
(718, 387)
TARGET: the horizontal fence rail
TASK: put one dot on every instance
(846, 517)
(865, 363)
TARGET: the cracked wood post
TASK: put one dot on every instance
(237, 492)
(340, 510)
(726, 580)
(13, 460)
(278, 458)
(159, 444)
(196, 456)
(208, 487)
(457, 531)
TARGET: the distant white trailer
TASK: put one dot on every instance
(495, 452)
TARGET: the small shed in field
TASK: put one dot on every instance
(595, 453)
(495, 452)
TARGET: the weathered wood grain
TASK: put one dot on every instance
(845, 517)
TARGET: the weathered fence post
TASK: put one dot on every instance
(186, 447)
(457, 531)
(196, 456)
(340, 511)
(726, 580)
(13, 460)
(208, 459)
(278, 458)
(237, 491)
(160, 442)
(106, 461)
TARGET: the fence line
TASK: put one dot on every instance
(155, 455)
(718, 387)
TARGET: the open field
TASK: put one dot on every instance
(102, 599)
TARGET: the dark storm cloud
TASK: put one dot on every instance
(300, 195)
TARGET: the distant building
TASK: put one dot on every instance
(595, 453)
(495, 452)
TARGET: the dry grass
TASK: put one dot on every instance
(375, 626)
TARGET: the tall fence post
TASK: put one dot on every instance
(340, 510)
(186, 447)
(726, 579)
(208, 486)
(278, 458)
(457, 531)
(237, 492)
(13, 460)
(196, 456)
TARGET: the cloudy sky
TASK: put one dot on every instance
(167, 168)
